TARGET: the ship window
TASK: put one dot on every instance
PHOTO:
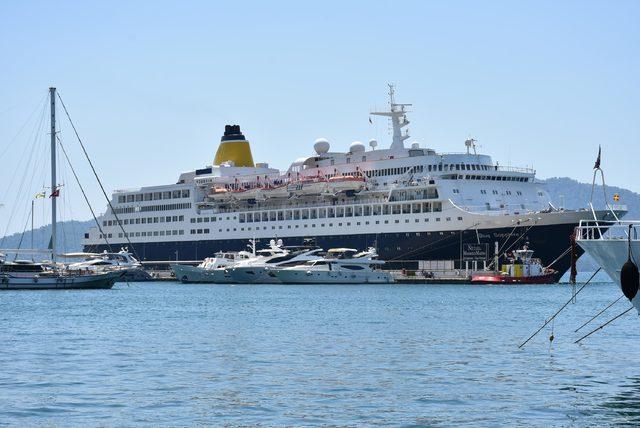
(367, 210)
(377, 209)
(205, 231)
(265, 216)
(322, 213)
(348, 212)
(340, 212)
(288, 215)
(437, 207)
(272, 215)
(415, 208)
(386, 210)
(185, 193)
(155, 233)
(296, 214)
(313, 214)
(241, 218)
(406, 209)
(304, 214)
(256, 217)
(280, 215)
(249, 217)
(396, 209)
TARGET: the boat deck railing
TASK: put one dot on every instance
(589, 230)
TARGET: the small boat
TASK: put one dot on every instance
(339, 266)
(212, 269)
(29, 275)
(245, 194)
(521, 268)
(219, 194)
(276, 191)
(308, 186)
(101, 262)
(345, 183)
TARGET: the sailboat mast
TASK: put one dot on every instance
(52, 95)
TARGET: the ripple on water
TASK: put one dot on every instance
(168, 354)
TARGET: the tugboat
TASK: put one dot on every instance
(521, 268)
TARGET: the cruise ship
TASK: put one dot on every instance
(411, 203)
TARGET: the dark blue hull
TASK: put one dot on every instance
(400, 250)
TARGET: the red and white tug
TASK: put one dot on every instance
(521, 268)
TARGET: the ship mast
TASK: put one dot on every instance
(52, 95)
(397, 113)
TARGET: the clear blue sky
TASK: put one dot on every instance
(152, 84)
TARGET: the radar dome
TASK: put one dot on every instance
(321, 146)
(356, 147)
(373, 144)
(415, 145)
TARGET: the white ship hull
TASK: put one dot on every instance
(302, 276)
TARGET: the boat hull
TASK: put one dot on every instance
(495, 278)
(194, 274)
(67, 282)
(252, 275)
(301, 276)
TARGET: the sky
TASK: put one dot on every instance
(150, 85)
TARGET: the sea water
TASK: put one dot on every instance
(179, 355)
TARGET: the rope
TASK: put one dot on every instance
(599, 313)
(84, 195)
(559, 310)
(125, 234)
(603, 325)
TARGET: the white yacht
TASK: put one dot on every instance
(213, 270)
(339, 266)
(410, 201)
(123, 260)
(260, 269)
(615, 246)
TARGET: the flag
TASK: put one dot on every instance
(597, 165)
(41, 195)
(55, 193)
(370, 121)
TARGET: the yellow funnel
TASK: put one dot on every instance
(234, 147)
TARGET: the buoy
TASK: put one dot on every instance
(629, 278)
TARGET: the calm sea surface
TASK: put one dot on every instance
(178, 355)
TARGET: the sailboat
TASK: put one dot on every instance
(29, 275)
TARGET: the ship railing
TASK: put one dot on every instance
(589, 230)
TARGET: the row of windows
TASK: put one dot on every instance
(144, 220)
(340, 224)
(148, 233)
(168, 207)
(199, 231)
(257, 228)
(203, 219)
(488, 177)
(334, 212)
(154, 196)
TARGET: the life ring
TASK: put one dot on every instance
(35, 279)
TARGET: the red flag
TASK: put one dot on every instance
(55, 193)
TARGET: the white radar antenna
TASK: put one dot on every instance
(398, 115)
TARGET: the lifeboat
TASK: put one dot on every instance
(308, 186)
(345, 183)
(244, 194)
(219, 194)
(276, 191)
